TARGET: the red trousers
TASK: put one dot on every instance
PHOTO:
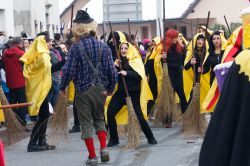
(1, 154)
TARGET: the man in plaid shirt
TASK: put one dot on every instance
(86, 57)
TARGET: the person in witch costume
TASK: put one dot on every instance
(232, 48)
(138, 89)
(195, 57)
(37, 73)
(153, 69)
(226, 142)
(92, 70)
(216, 51)
(175, 60)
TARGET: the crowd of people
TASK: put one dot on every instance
(39, 70)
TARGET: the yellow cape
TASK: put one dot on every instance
(1, 115)
(71, 92)
(213, 89)
(156, 55)
(37, 73)
(188, 75)
(136, 63)
(243, 59)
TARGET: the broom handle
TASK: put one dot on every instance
(192, 34)
(129, 31)
(206, 39)
(71, 24)
(104, 33)
(197, 21)
(119, 58)
(19, 105)
(228, 28)
(164, 28)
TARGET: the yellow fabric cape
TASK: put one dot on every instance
(136, 63)
(213, 93)
(213, 89)
(37, 73)
(71, 92)
(188, 75)
(156, 55)
(1, 115)
(243, 59)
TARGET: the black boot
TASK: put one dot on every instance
(32, 147)
(75, 129)
(43, 142)
(113, 143)
(152, 141)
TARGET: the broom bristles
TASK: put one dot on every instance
(166, 106)
(15, 129)
(133, 127)
(122, 131)
(193, 121)
(59, 121)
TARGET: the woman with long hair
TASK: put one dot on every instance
(215, 55)
(175, 54)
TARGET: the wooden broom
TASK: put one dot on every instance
(193, 121)
(165, 105)
(59, 121)
(133, 126)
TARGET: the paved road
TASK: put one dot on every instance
(173, 149)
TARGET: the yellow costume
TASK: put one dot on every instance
(156, 55)
(136, 63)
(37, 73)
(232, 46)
(71, 92)
(188, 75)
(1, 115)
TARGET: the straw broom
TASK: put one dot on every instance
(133, 126)
(166, 99)
(14, 127)
(59, 121)
(193, 121)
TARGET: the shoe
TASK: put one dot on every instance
(92, 162)
(35, 148)
(75, 129)
(152, 141)
(112, 143)
(104, 155)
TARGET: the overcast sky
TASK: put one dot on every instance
(174, 8)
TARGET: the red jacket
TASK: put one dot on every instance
(13, 68)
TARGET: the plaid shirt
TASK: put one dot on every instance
(56, 76)
(78, 69)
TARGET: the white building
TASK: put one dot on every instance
(6, 17)
(34, 16)
(30, 16)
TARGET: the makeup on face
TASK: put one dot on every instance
(216, 40)
(200, 42)
(124, 50)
